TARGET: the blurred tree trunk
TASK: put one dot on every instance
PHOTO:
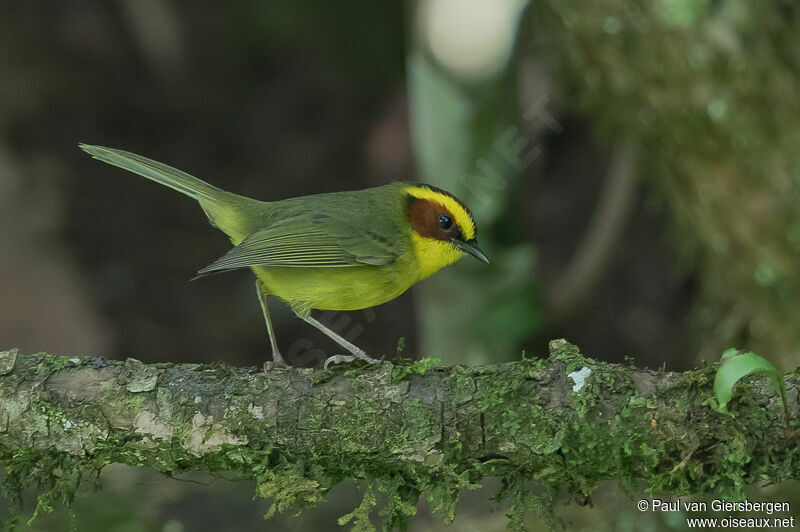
(707, 93)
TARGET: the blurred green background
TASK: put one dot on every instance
(633, 167)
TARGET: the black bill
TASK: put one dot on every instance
(471, 247)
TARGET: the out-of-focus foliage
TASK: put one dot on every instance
(463, 114)
(710, 93)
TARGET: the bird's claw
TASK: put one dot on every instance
(346, 359)
(269, 365)
(338, 359)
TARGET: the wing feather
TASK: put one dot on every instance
(307, 241)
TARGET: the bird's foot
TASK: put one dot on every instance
(346, 359)
(338, 359)
(276, 362)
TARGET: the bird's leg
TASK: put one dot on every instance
(277, 359)
(337, 359)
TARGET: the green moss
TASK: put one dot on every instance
(53, 412)
(54, 475)
(360, 516)
(564, 351)
(57, 363)
(534, 366)
(288, 487)
(403, 368)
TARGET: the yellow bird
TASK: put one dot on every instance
(336, 251)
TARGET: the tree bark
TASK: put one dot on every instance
(540, 425)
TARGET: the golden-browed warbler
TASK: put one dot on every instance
(335, 251)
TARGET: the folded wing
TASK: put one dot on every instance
(307, 241)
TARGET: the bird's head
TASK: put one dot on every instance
(443, 229)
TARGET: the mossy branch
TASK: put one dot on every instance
(540, 425)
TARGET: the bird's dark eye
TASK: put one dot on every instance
(445, 222)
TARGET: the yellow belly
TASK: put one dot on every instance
(356, 287)
(349, 288)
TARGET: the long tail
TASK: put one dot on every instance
(222, 208)
(160, 173)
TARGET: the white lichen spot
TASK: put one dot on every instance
(143, 383)
(434, 458)
(396, 392)
(579, 378)
(409, 457)
(508, 447)
(206, 435)
(7, 360)
(198, 400)
(67, 424)
(257, 411)
(146, 423)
